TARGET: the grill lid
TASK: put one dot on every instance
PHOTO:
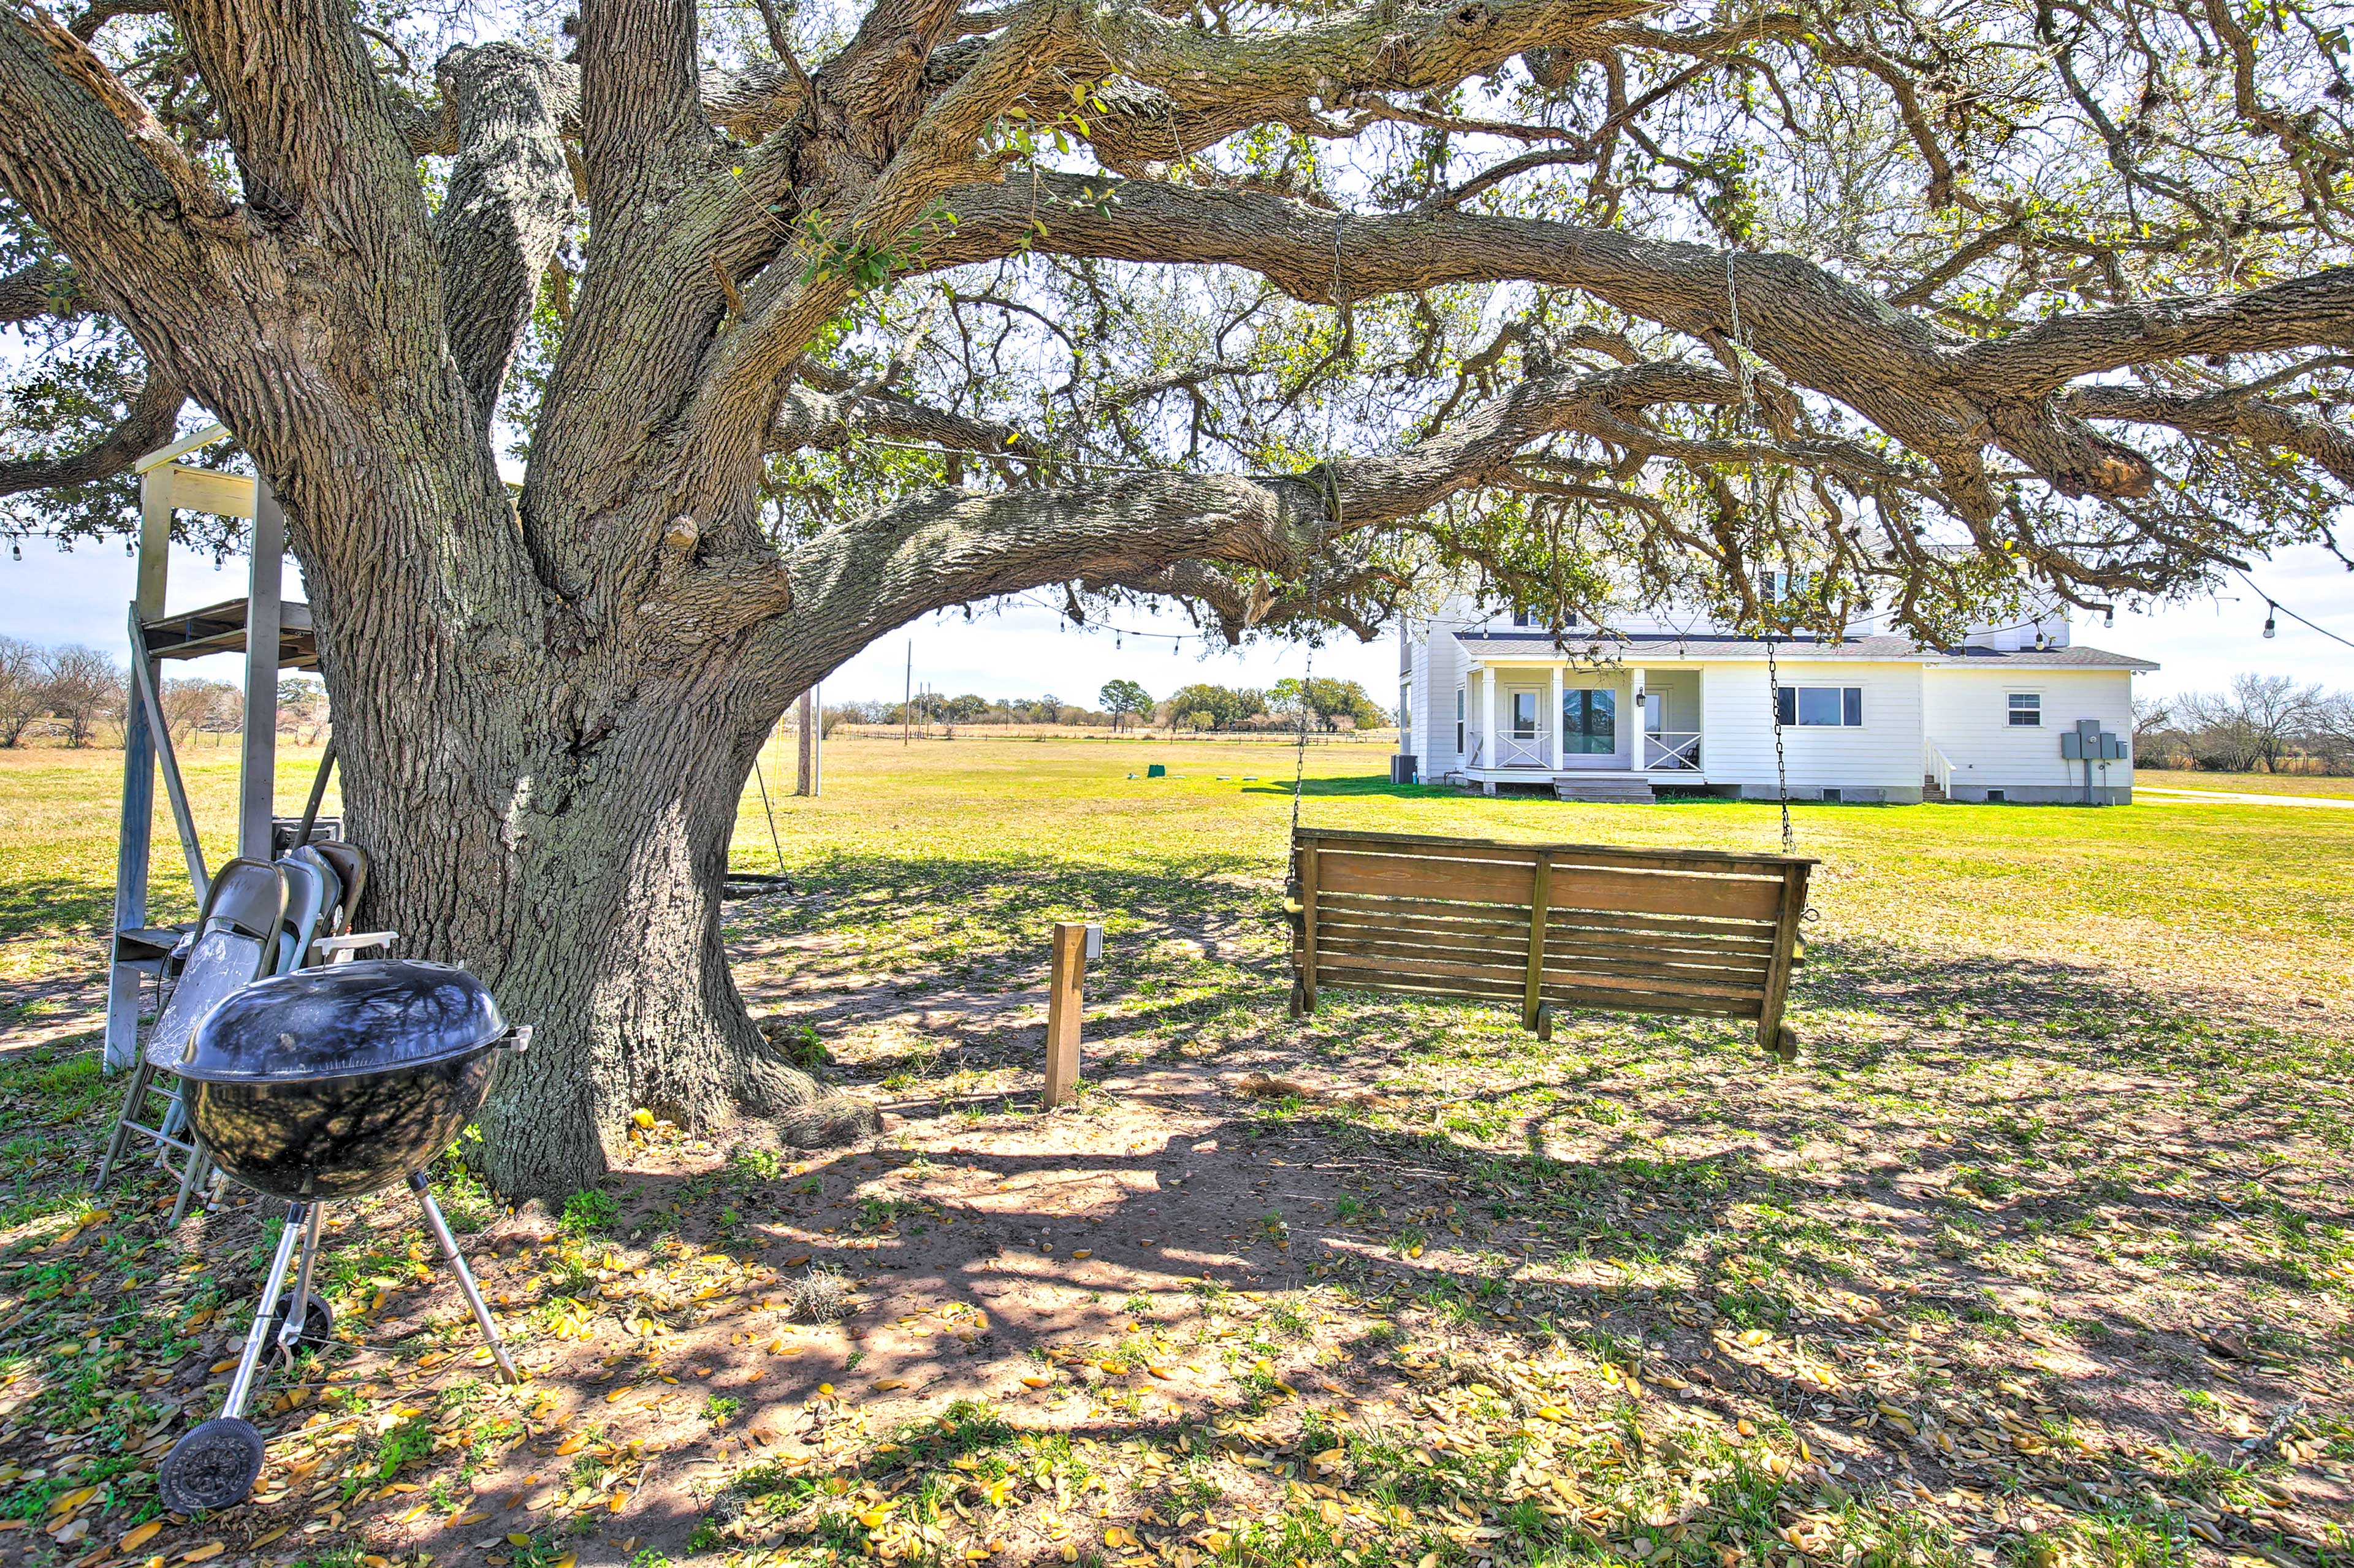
(367, 1016)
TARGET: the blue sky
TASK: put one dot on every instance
(52, 597)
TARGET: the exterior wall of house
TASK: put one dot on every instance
(1438, 670)
(1962, 707)
(1969, 719)
(1878, 761)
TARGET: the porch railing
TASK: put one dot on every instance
(1671, 751)
(1523, 750)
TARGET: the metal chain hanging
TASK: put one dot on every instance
(1315, 561)
(1781, 772)
(1773, 666)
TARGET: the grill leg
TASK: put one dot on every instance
(256, 1339)
(193, 1176)
(424, 1191)
(299, 1315)
(134, 1106)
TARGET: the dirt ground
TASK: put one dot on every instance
(1398, 1285)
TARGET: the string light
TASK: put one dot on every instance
(1063, 621)
(2272, 609)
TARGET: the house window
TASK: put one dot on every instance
(1458, 721)
(1831, 706)
(2027, 710)
(1589, 722)
(1406, 713)
(1522, 618)
(1524, 715)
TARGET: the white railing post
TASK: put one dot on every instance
(1556, 719)
(1487, 715)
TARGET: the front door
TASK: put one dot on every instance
(1589, 721)
(1524, 743)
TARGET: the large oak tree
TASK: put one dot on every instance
(811, 326)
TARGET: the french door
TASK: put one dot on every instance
(1589, 721)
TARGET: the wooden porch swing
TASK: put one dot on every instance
(1629, 930)
(1709, 932)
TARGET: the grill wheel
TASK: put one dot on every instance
(318, 1321)
(213, 1466)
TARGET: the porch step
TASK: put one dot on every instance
(1622, 790)
(1931, 789)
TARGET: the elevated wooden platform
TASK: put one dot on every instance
(220, 628)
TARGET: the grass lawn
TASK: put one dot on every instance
(2039, 1256)
(2247, 783)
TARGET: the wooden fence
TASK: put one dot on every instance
(1651, 930)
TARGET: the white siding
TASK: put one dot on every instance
(1441, 662)
(1883, 754)
(1968, 715)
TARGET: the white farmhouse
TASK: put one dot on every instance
(2017, 713)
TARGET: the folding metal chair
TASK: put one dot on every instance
(344, 868)
(311, 893)
(351, 865)
(235, 943)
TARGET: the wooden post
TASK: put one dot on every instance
(809, 778)
(257, 762)
(1770, 1033)
(1068, 967)
(1308, 923)
(132, 844)
(1540, 895)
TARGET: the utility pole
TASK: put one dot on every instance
(907, 701)
(810, 775)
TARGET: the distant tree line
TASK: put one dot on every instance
(82, 696)
(1330, 705)
(1327, 705)
(2262, 724)
(939, 708)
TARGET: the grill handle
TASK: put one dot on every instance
(517, 1040)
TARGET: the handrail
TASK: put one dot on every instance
(1941, 767)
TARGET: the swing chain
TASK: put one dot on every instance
(1781, 772)
(1331, 486)
(1773, 666)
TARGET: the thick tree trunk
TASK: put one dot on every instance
(557, 819)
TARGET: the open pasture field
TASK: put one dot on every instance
(2039, 1256)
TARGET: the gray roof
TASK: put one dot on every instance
(1668, 645)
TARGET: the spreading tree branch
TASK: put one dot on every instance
(510, 198)
(149, 423)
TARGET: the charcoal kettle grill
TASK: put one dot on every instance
(324, 1084)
